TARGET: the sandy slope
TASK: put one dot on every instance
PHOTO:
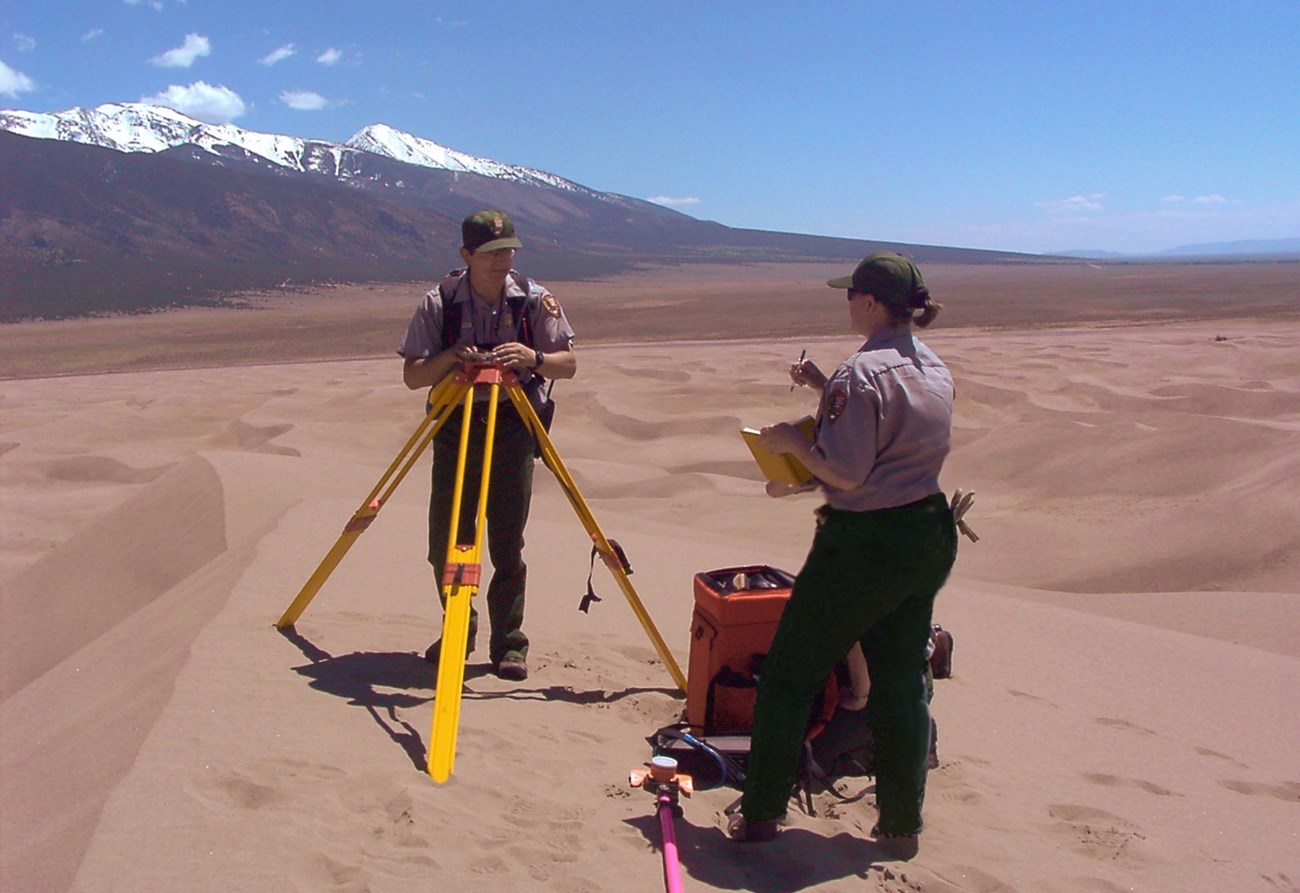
(1126, 668)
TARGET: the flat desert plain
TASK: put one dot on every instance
(1126, 670)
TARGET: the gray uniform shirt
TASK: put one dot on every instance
(885, 421)
(483, 323)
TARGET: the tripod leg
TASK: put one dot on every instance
(442, 398)
(461, 580)
(607, 552)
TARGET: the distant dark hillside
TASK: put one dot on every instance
(86, 230)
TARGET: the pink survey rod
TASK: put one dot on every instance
(672, 868)
(665, 783)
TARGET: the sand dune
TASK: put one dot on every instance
(1126, 666)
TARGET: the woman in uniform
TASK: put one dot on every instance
(884, 544)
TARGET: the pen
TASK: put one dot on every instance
(803, 353)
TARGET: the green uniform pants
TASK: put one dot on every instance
(870, 577)
(510, 493)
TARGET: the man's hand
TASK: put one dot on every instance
(514, 356)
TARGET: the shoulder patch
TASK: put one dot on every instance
(551, 304)
(837, 400)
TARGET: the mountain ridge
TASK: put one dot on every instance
(189, 213)
(140, 127)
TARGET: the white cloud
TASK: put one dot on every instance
(183, 56)
(14, 82)
(330, 56)
(303, 100)
(278, 55)
(672, 202)
(1202, 201)
(1075, 204)
(93, 34)
(24, 43)
(156, 4)
(214, 105)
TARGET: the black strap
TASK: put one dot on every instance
(591, 595)
(518, 304)
(811, 771)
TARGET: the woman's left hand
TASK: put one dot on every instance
(783, 438)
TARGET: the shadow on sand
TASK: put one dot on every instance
(382, 682)
(796, 860)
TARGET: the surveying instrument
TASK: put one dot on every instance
(463, 569)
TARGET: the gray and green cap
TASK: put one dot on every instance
(488, 230)
(890, 277)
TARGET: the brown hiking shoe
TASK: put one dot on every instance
(902, 847)
(741, 829)
(513, 667)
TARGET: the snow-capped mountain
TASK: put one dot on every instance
(380, 139)
(130, 206)
(136, 127)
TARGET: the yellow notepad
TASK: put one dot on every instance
(781, 467)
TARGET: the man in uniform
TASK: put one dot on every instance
(487, 308)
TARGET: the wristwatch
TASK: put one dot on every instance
(538, 356)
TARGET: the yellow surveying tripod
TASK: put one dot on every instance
(460, 579)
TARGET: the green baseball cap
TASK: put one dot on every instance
(889, 277)
(488, 230)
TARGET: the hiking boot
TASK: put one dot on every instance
(902, 847)
(742, 830)
(513, 667)
(434, 652)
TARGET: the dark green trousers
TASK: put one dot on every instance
(871, 577)
(510, 493)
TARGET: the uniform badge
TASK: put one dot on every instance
(551, 305)
(837, 400)
(497, 225)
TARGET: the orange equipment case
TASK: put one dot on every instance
(737, 610)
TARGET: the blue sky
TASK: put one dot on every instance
(1028, 126)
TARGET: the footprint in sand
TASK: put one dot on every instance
(1095, 832)
(233, 789)
(489, 865)
(962, 794)
(1115, 781)
(888, 879)
(1287, 791)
